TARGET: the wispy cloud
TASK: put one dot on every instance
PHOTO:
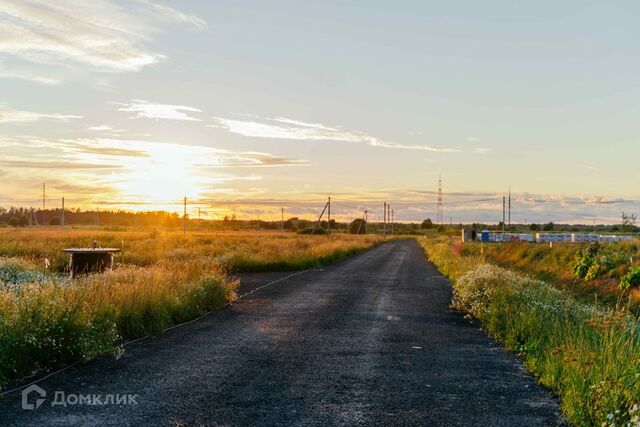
(8, 115)
(144, 109)
(31, 164)
(101, 147)
(12, 72)
(98, 33)
(482, 150)
(286, 128)
(250, 159)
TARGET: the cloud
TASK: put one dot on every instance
(101, 128)
(54, 165)
(98, 33)
(8, 115)
(482, 150)
(23, 74)
(285, 128)
(101, 147)
(225, 159)
(144, 109)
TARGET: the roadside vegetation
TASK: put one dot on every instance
(161, 279)
(587, 353)
(588, 271)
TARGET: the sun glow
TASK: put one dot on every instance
(158, 174)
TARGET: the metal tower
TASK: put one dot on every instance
(439, 213)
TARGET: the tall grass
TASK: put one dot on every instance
(589, 355)
(47, 324)
(236, 251)
(609, 263)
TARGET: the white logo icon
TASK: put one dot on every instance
(39, 401)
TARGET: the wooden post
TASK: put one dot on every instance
(384, 219)
(329, 216)
(184, 217)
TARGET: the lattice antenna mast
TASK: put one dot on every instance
(439, 213)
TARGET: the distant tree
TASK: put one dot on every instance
(548, 227)
(13, 221)
(534, 227)
(54, 221)
(288, 225)
(628, 222)
(358, 226)
(427, 224)
(23, 220)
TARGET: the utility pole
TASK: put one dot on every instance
(364, 216)
(62, 216)
(329, 216)
(281, 219)
(392, 222)
(503, 212)
(184, 217)
(320, 217)
(509, 208)
(366, 219)
(44, 201)
(384, 219)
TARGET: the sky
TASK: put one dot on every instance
(247, 107)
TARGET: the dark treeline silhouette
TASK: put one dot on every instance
(23, 217)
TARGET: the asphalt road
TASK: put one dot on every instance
(368, 341)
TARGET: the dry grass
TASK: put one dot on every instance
(238, 251)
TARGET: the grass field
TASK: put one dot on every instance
(160, 279)
(587, 353)
(234, 250)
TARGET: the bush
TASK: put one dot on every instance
(427, 224)
(631, 279)
(15, 272)
(358, 226)
(597, 261)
